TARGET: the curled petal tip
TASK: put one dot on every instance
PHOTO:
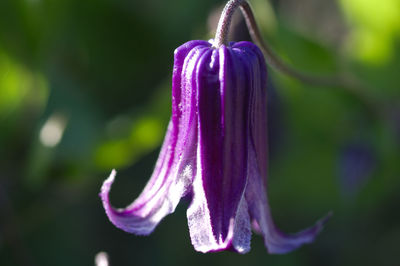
(111, 177)
(105, 188)
(282, 243)
(327, 217)
(126, 219)
(321, 222)
(113, 173)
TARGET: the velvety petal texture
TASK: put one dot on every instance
(215, 148)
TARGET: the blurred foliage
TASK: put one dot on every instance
(376, 28)
(85, 88)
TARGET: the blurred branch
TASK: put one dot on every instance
(345, 81)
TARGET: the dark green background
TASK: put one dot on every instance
(102, 69)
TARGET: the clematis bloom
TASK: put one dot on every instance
(215, 150)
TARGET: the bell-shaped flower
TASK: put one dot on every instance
(215, 150)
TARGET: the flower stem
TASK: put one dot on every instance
(342, 80)
(224, 22)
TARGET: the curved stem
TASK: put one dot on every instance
(273, 60)
(343, 80)
(224, 22)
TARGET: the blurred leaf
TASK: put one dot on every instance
(23, 95)
(382, 16)
(20, 88)
(131, 138)
(375, 25)
(146, 134)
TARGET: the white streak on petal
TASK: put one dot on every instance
(242, 229)
(199, 220)
(198, 215)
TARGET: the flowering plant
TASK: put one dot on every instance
(215, 151)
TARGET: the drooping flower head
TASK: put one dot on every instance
(215, 149)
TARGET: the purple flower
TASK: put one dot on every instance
(215, 149)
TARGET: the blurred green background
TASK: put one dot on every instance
(85, 88)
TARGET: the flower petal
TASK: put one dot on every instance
(276, 241)
(159, 198)
(218, 216)
(176, 164)
(256, 197)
